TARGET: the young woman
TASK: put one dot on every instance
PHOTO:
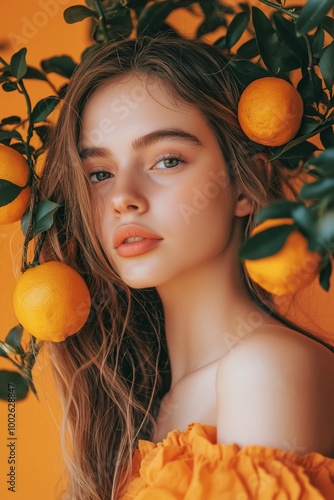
(158, 186)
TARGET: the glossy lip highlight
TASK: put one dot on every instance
(134, 248)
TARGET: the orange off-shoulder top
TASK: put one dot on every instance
(191, 465)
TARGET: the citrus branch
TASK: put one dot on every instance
(30, 126)
(30, 231)
(4, 348)
(102, 18)
(34, 180)
(39, 247)
(310, 57)
(6, 65)
(281, 9)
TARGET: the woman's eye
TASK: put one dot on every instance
(99, 176)
(168, 163)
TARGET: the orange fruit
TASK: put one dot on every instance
(270, 111)
(290, 269)
(14, 168)
(51, 301)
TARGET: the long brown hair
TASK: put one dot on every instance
(113, 374)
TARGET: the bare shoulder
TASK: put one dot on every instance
(276, 388)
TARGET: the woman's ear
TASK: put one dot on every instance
(244, 205)
(263, 168)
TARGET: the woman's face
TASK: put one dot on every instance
(164, 202)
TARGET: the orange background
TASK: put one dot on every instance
(38, 25)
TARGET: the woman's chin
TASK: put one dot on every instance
(138, 282)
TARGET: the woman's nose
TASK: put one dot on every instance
(127, 197)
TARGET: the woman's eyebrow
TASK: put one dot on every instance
(144, 141)
(169, 133)
(94, 153)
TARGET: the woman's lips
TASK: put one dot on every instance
(126, 248)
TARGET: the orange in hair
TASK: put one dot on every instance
(290, 269)
(51, 301)
(15, 169)
(270, 111)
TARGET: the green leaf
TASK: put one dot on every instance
(62, 65)
(20, 147)
(43, 108)
(8, 192)
(62, 91)
(210, 24)
(266, 243)
(236, 28)
(42, 131)
(312, 14)
(324, 234)
(10, 120)
(152, 17)
(276, 56)
(207, 7)
(327, 138)
(282, 149)
(119, 23)
(308, 125)
(18, 65)
(9, 349)
(246, 72)
(44, 215)
(326, 226)
(10, 134)
(43, 218)
(9, 86)
(305, 219)
(77, 13)
(328, 25)
(317, 42)
(310, 110)
(290, 163)
(221, 42)
(278, 210)
(248, 50)
(323, 159)
(136, 5)
(286, 31)
(5, 72)
(3, 353)
(326, 65)
(325, 274)
(302, 150)
(34, 74)
(14, 336)
(318, 189)
(245, 7)
(14, 379)
(265, 36)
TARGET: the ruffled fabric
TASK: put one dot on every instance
(191, 465)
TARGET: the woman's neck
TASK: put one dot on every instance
(207, 312)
